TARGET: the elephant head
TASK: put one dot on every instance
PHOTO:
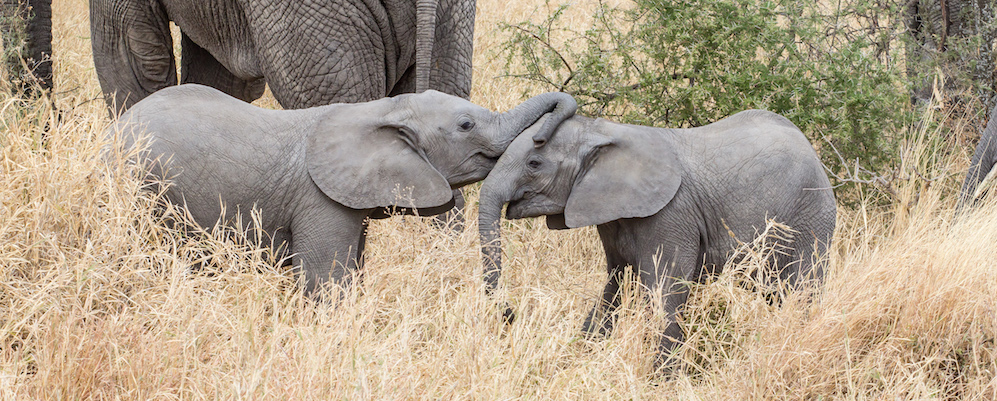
(430, 143)
(590, 172)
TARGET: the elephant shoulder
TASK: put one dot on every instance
(187, 96)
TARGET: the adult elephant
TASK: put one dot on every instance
(942, 34)
(311, 53)
(981, 166)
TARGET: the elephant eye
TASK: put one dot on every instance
(467, 125)
(534, 164)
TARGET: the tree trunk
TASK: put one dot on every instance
(955, 37)
(27, 44)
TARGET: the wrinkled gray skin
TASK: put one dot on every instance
(317, 174)
(311, 53)
(983, 161)
(663, 199)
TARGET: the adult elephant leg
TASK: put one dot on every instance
(132, 50)
(362, 244)
(805, 264)
(198, 66)
(984, 159)
(26, 27)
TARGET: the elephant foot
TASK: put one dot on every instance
(599, 324)
(665, 361)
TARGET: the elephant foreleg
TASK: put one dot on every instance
(600, 320)
(328, 249)
(132, 50)
(198, 66)
(361, 244)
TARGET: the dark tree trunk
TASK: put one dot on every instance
(957, 38)
(27, 44)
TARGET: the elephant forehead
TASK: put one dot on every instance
(568, 136)
(520, 148)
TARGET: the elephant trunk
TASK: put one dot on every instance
(425, 14)
(495, 192)
(984, 158)
(561, 106)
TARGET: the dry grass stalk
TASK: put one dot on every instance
(99, 299)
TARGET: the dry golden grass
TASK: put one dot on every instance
(98, 300)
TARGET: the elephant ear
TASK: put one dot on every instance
(622, 178)
(361, 157)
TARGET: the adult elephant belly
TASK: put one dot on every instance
(221, 29)
(316, 53)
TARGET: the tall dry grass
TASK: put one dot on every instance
(100, 300)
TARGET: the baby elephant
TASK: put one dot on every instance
(317, 174)
(665, 201)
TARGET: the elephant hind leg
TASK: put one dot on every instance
(803, 267)
(198, 66)
(132, 50)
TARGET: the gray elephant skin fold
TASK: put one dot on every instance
(317, 174)
(310, 53)
(665, 201)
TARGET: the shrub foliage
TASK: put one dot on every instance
(833, 71)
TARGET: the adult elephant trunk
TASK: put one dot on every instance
(425, 35)
(561, 106)
(496, 191)
(984, 159)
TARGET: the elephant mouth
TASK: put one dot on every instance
(476, 167)
(531, 205)
(516, 210)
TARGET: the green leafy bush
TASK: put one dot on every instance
(835, 72)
